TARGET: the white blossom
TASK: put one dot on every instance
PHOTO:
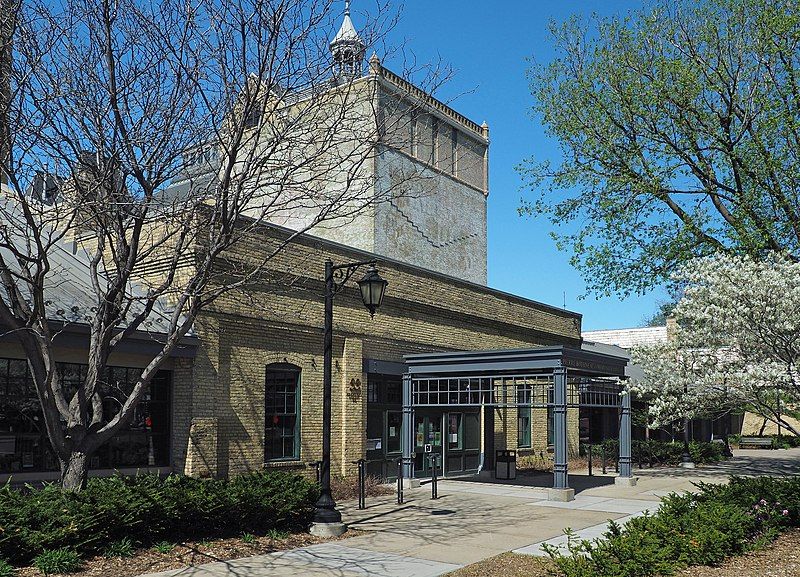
(736, 345)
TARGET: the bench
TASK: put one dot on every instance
(755, 442)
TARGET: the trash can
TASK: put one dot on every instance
(505, 465)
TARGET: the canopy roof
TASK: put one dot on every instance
(510, 361)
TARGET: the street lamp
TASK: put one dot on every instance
(327, 520)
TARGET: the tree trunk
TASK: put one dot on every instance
(75, 471)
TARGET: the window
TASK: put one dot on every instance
(524, 416)
(394, 422)
(394, 392)
(282, 423)
(373, 390)
(24, 445)
(253, 116)
(454, 431)
(550, 420)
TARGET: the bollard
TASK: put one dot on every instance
(362, 473)
(434, 480)
(590, 459)
(603, 457)
(400, 481)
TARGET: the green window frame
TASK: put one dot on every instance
(524, 427)
(524, 395)
(282, 413)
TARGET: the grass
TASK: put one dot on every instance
(164, 547)
(62, 560)
(277, 534)
(125, 547)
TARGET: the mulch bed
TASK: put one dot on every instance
(188, 553)
(507, 565)
(780, 559)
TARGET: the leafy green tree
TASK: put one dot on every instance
(679, 129)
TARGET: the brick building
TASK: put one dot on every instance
(245, 391)
(259, 364)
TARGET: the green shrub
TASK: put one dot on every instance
(662, 453)
(62, 560)
(122, 548)
(6, 570)
(690, 529)
(146, 509)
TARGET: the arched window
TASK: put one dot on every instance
(282, 412)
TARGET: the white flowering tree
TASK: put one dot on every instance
(736, 345)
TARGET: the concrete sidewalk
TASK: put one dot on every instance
(473, 520)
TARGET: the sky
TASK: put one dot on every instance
(488, 44)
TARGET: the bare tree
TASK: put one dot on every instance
(158, 137)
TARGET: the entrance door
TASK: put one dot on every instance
(428, 429)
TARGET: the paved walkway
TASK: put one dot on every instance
(473, 520)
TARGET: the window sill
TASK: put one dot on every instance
(287, 464)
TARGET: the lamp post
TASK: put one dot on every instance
(327, 520)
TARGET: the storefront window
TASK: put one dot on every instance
(24, 446)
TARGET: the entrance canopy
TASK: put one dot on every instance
(517, 377)
(555, 377)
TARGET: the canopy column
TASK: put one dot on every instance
(407, 438)
(561, 490)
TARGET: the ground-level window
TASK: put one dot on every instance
(282, 404)
(394, 422)
(524, 394)
(25, 447)
(455, 431)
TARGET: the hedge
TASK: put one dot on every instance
(691, 529)
(664, 453)
(148, 509)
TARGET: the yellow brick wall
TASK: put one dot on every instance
(280, 321)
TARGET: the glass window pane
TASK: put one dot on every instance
(281, 426)
(394, 423)
(454, 440)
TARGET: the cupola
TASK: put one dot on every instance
(347, 47)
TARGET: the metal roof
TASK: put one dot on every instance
(68, 288)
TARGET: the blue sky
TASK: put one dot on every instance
(488, 44)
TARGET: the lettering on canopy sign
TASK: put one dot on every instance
(593, 366)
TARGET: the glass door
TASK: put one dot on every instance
(428, 431)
